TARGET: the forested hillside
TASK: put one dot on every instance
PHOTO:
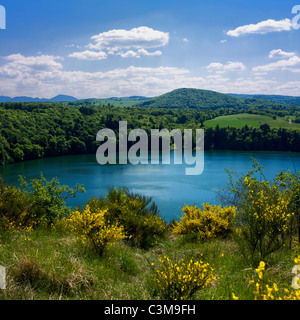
(36, 130)
(202, 99)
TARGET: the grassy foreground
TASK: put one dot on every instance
(50, 264)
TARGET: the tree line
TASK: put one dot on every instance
(34, 130)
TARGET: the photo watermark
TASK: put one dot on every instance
(186, 146)
(296, 278)
(2, 17)
(2, 278)
(295, 24)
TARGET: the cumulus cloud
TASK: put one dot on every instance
(137, 38)
(287, 64)
(138, 53)
(44, 76)
(89, 55)
(262, 27)
(229, 66)
(132, 43)
(278, 53)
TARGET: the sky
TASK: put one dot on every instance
(121, 48)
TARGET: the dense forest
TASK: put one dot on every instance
(35, 130)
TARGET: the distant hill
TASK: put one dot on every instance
(201, 99)
(290, 100)
(191, 98)
(62, 97)
(59, 98)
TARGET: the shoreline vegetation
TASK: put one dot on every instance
(118, 247)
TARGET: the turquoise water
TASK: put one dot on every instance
(168, 185)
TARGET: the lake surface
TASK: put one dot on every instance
(168, 185)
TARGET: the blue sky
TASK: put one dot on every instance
(92, 48)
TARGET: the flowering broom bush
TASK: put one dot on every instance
(181, 280)
(263, 218)
(93, 230)
(210, 222)
(136, 213)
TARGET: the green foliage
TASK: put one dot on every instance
(16, 209)
(136, 213)
(39, 201)
(49, 197)
(198, 99)
(289, 184)
(35, 130)
(264, 213)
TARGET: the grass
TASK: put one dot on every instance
(49, 264)
(252, 120)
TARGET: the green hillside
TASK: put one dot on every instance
(202, 99)
(192, 98)
(252, 120)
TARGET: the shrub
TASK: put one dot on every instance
(49, 197)
(210, 222)
(136, 213)
(15, 210)
(93, 230)
(265, 210)
(262, 220)
(181, 280)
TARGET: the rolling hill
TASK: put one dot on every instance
(202, 99)
(191, 98)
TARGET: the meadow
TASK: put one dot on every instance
(252, 120)
(118, 247)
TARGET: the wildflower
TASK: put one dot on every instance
(234, 297)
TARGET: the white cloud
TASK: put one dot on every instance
(44, 76)
(137, 38)
(185, 40)
(262, 27)
(124, 43)
(278, 53)
(138, 53)
(288, 64)
(89, 55)
(229, 66)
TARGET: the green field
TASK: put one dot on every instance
(252, 120)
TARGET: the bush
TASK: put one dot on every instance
(262, 220)
(15, 209)
(93, 230)
(181, 280)
(49, 197)
(265, 221)
(136, 213)
(210, 222)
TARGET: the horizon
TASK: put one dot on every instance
(152, 97)
(121, 49)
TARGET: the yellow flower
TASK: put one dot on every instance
(234, 297)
